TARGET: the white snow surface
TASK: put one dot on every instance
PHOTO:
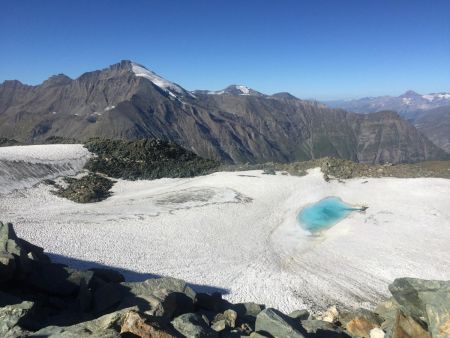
(237, 232)
(170, 87)
(23, 166)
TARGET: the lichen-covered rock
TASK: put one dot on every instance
(300, 314)
(134, 323)
(192, 325)
(407, 327)
(11, 315)
(322, 329)
(276, 324)
(360, 322)
(331, 315)
(426, 300)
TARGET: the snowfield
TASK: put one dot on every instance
(237, 232)
(23, 166)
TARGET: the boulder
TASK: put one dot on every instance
(247, 313)
(225, 320)
(300, 314)
(274, 323)
(331, 315)
(407, 327)
(134, 323)
(107, 296)
(360, 322)
(192, 325)
(7, 266)
(150, 285)
(12, 315)
(107, 326)
(213, 302)
(108, 275)
(8, 240)
(387, 311)
(57, 279)
(322, 329)
(426, 300)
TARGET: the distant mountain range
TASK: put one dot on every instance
(430, 113)
(236, 124)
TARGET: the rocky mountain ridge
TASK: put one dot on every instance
(128, 101)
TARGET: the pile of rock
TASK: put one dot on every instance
(86, 189)
(145, 159)
(39, 298)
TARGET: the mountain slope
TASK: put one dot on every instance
(237, 124)
(435, 124)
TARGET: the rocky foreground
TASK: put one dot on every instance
(39, 298)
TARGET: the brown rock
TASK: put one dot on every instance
(135, 324)
(407, 327)
(360, 322)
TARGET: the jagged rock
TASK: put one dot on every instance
(134, 323)
(107, 296)
(224, 320)
(276, 324)
(57, 279)
(7, 266)
(107, 326)
(387, 310)
(192, 325)
(406, 327)
(331, 315)
(11, 315)
(323, 329)
(360, 322)
(108, 275)
(213, 302)
(149, 286)
(300, 314)
(426, 300)
(8, 240)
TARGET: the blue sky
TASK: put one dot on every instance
(313, 49)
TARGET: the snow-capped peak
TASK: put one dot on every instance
(243, 89)
(168, 86)
(236, 90)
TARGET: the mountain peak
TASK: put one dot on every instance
(57, 80)
(237, 90)
(285, 95)
(410, 93)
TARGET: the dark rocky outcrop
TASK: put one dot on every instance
(145, 159)
(236, 124)
(39, 298)
(87, 189)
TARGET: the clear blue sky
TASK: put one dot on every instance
(313, 49)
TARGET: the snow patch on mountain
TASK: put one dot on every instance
(171, 88)
(244, 90)
(437, 96)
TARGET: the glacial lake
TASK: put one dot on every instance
(324, 214)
